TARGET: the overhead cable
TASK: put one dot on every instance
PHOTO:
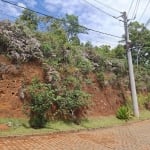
(145, 9)
(62, 20)
(106, 13)
(11, 3)
(105, 5)
(136, 9)
(130, 7)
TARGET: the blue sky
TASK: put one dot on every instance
(88, 15)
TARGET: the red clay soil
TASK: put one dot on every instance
(11, 82)
(104, 101)
(4, 127)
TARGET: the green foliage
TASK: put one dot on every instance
(3, 43)
(42, 97)
(142, 78)
(119, 67)
(119, 52)
(124, 113)
(72, 81)
(144, 101)
(29, 18)
(101, 79)
(88, 45)
(147, 103)
(68, 103)
(104, 50)
(71, 103)
(72, 28)
(139, 36)
(46, 49)
(85, 65)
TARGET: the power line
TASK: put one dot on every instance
(103, 39)
(145, 9)
(105, 5)
(102, 32)
(62, 20)
(41, 7)
(136, 9)
(11, 3)
(130, 7)
(106, 13)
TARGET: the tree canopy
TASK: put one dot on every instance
(139, 36)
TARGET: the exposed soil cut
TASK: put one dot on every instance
(10, 103)
(104, 101)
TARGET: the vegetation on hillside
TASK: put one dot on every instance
(67, 62)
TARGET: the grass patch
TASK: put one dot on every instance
(21, 126)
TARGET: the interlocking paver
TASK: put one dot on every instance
(130, 137)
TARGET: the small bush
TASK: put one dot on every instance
(71, 104)
(147, 102)
(42, 97)
(84, 65)
(143, 100)
(46, 49)
(37, 121)
(101, 79)
(124, 113)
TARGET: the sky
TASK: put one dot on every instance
(88, 15)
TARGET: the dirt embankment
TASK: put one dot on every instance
(12, 78)
(104, 101)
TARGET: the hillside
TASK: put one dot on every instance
(48, 75)
(104, 102)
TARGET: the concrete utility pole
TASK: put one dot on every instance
(130, 65)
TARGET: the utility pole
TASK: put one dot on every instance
(130, 66)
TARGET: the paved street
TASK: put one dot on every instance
(134, 136)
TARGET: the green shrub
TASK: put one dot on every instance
(101, 79)
(46, 49)
(42, 97)
(84, 65)
(72, 81)
(37, 120)
(71, 103)
(147, 102)
(124, 113)
(143, 99)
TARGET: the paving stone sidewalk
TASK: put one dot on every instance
(134, 136)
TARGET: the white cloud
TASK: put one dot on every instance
(30, 3)
(21, 5)
(9, 11)
(88, 15)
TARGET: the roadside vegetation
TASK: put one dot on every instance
(21, 126)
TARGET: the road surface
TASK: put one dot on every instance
(134, 136)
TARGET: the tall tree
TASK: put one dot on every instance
(140, 43)
(119, 52)
(72, 27)
(29, 18)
